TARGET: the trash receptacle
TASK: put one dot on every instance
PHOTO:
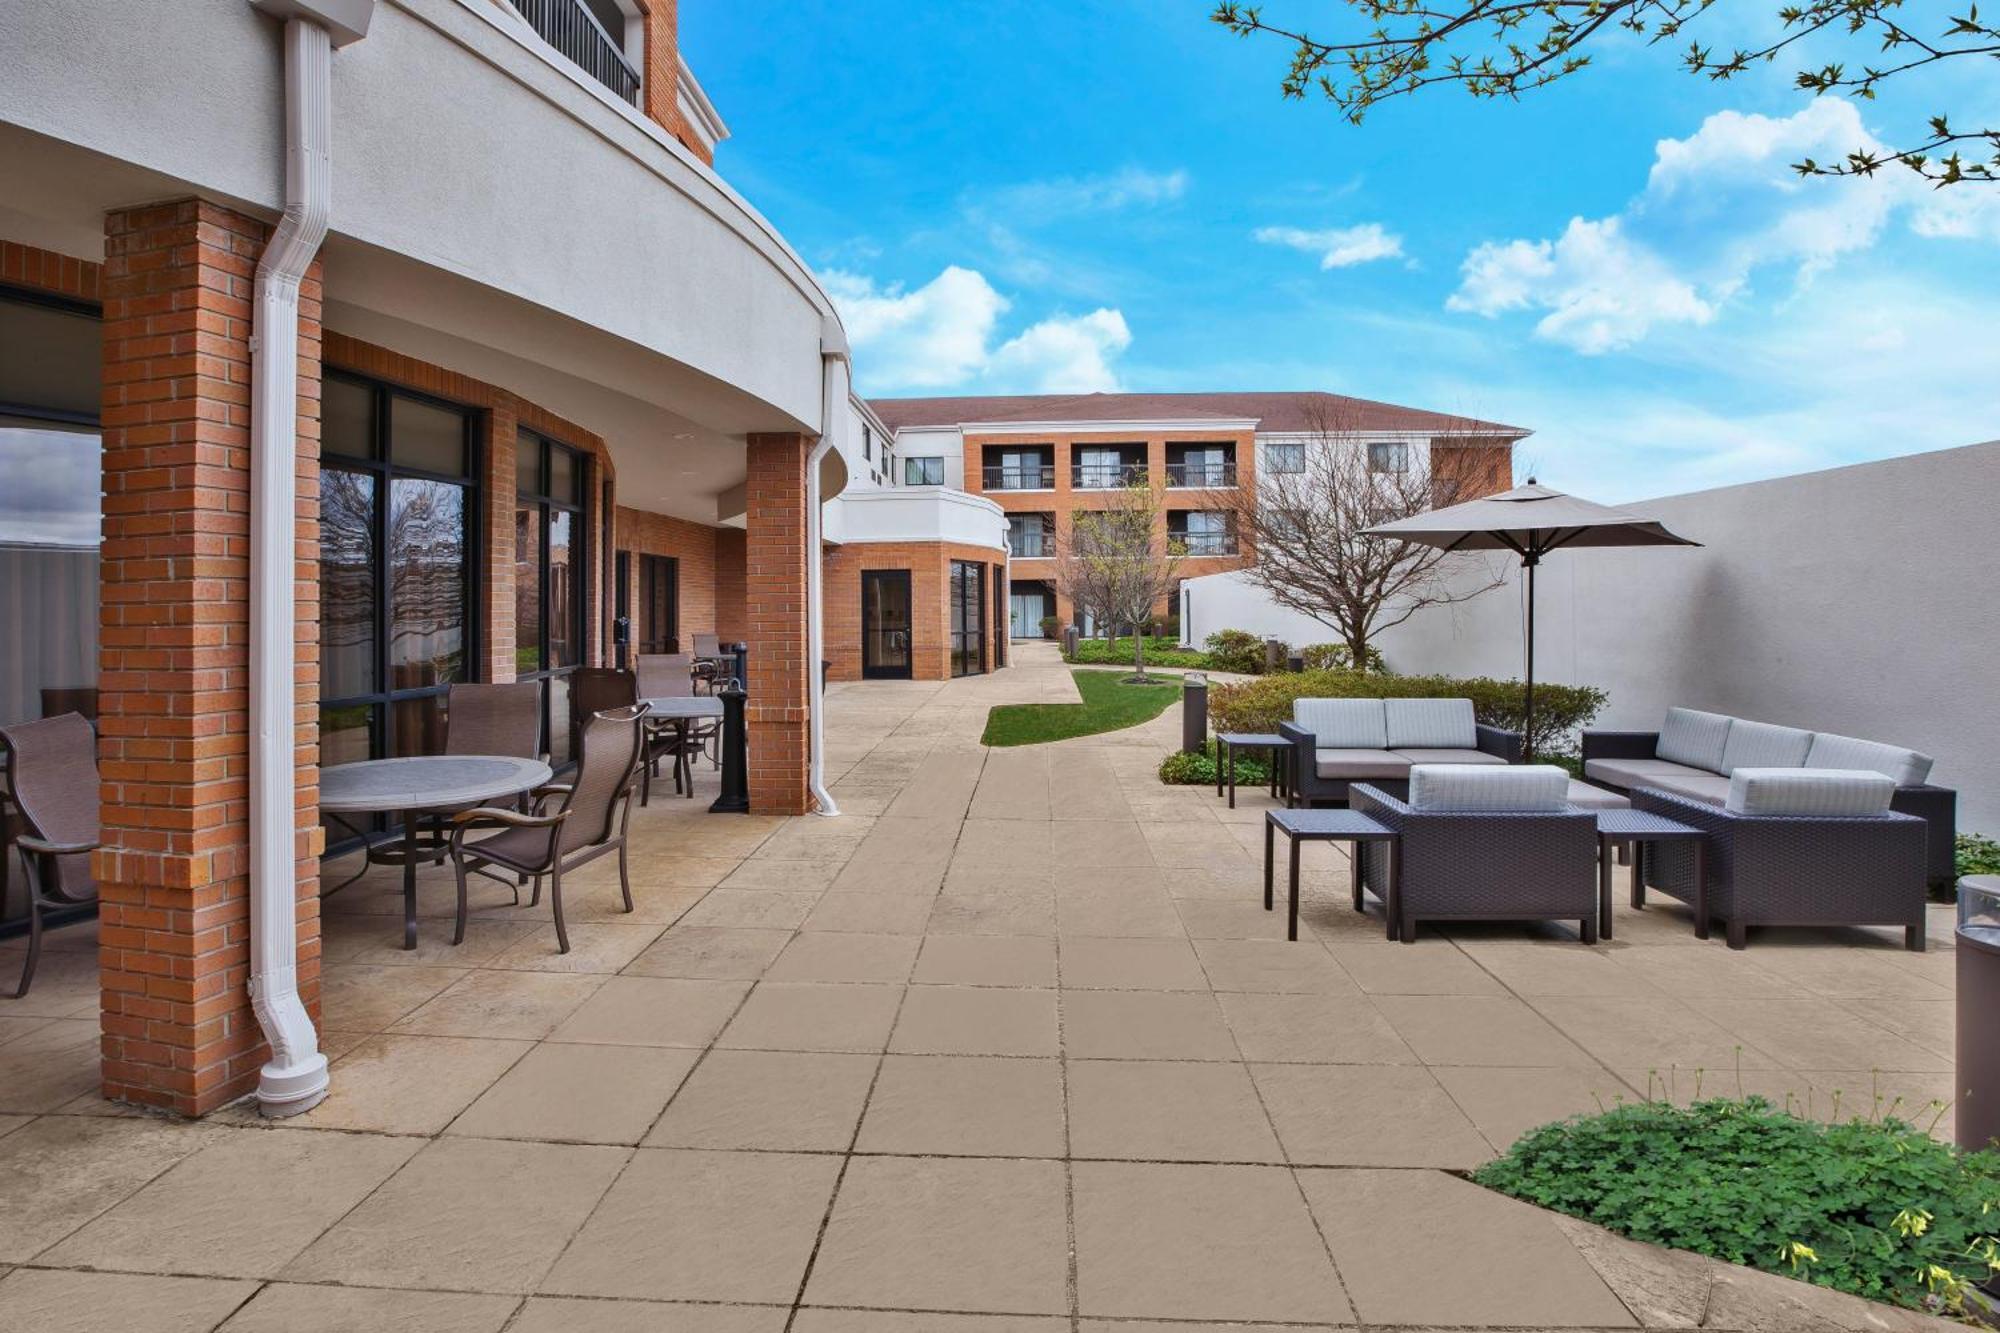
(1978, 1100)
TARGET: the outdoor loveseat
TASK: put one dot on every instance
(1694, 753)
(1481, 844)
(1794, 847)
(1338, 742)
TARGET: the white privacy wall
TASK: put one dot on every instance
(1863, 600)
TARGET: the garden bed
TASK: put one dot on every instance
(1110, 703)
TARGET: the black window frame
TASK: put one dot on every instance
(383, 471)
(582, 485)
(921, 463)
(1396, 449)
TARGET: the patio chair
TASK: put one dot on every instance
(1480, 843)
(589, 820)
(1796, 847)
(504, 718)
(594, 690)
(671, 676)
(70, 699)
(52, 776)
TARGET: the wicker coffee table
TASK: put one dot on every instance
(1323, 826)
(1637, 828)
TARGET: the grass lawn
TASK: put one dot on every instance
(1109, 704)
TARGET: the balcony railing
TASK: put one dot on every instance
(1018, 477)
(1106, 476)
(1204, 543)
(1202, 474)
(570, 27)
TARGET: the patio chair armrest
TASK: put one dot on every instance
(1297, 735)
(1620, 744)
(1937, 807)
(42, 847)
(1372, 800)
(1499, 741)
(491, 814)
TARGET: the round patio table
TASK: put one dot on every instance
(418, 784)
(682, 710)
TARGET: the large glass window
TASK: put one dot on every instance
(923, 472)
(396, 504)
(551, 569)
(51, 505)
(967, 618)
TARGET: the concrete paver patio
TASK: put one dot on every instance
(1009, 1047)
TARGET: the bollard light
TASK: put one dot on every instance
(1978, 1102)
(1194, 712)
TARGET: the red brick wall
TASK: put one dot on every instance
(661, 74)
(929, 564)
(174, 658)
(732, 614)
(502, 416)
(45, 270)
(693, 545)
(775, 594)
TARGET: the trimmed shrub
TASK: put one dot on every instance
(1183, 769)
(1337, 657)
(1118, 652)
(1051, 627)
(1236, 650)
(1871, 1206)
(1260, 705)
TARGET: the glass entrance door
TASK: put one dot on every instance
(885, 624)
(968, 619)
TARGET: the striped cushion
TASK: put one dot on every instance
(1761, 745)
(1694, 738)
(1906, 768)
(1431, 724)
(1808, 791)
(1343, 724)
(1481, 787)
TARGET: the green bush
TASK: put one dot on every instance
(1337, 657)
(1051, 627)
(1185, 769)
(1236, 650)
(1118, 652)
(1872, 1206)
(1977, 855)
(1260, 705)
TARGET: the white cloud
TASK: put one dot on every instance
(1718, 208)
(942, 336)
(1337, 247)
(1063, 196)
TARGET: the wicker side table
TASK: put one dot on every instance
(1323, 826)
(1227, 743)
(1636, 828)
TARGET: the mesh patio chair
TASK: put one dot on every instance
(594, 690)
(52, 775)
(589, 820)
(71, 699)
(671, 676)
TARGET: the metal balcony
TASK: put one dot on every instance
(1106, 476)
(1204, 543)
(1018, 477)
(570, 27)
(1204, 475)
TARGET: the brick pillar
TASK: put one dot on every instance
(775, 597)
(178, 1031)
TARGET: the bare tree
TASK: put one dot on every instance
(1304, 523)
(1117, 564)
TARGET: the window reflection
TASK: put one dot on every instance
(427, 583)
(347, 582)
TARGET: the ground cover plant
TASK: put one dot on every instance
(1118, 652)
(1187, 768)
(1261, 704)
(1977, 855)
(1872, 1205)
(1110, 703)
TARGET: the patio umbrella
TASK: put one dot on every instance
(1530, 521)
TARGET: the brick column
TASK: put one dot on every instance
(775, 598)
(174, 656)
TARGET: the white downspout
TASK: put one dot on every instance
(833, 392)
(295, 1077)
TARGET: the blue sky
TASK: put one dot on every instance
(1024, 197)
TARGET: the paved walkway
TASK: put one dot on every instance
(1011, 1047)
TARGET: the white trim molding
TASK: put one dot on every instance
(695, 108)
(1213, 425)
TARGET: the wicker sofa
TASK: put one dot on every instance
(1694, 753)
(1481, 844)
(1338, 742)
(1796, 847)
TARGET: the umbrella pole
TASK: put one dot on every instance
(1529, 561)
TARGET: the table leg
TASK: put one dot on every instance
(1292, 919)
(409, 879)
(1701, 888)
(1232, 777)
(1394, 902)
(1270, 834)
(1638, 874)
(1604, 887)
(1220, 751)
(1354, 873)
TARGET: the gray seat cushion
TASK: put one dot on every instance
(1431, 724)
(1346, 764)
(1695, 785)
(1829, 792)
(1635, 772)
(1470, 787)
(1343, 724)
(1762, 745)
(1905, 768)
(1447, 756)
(1586, 797)
(1692, 737)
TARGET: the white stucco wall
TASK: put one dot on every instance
(916, 514)
(1863, 600)
(945, 442)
